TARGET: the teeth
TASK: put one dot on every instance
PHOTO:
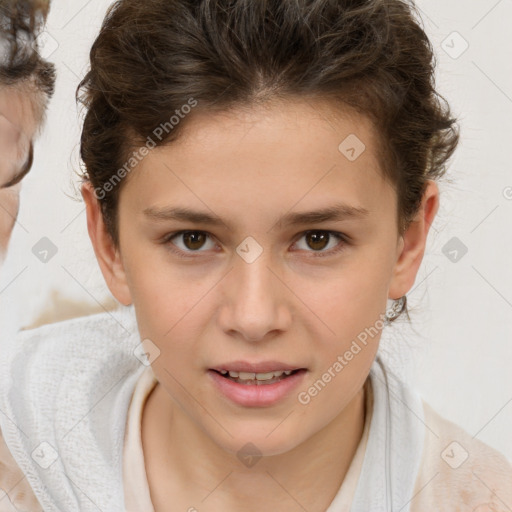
(257, 376)
(266, 376)
(245, 375)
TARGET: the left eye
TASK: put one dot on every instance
(319, 240)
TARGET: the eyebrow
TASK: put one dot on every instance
(24, 170)
(337, 212)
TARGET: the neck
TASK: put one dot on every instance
(197, 469)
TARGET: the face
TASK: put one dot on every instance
(17, 128)
(255, 282)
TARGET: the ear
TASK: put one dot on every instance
(412, 244)
(108, 256)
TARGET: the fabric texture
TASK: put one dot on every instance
(71, 396)
(137, 496)
(64, 394)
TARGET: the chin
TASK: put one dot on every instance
(257, 442)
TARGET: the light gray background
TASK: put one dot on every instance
(458, 352)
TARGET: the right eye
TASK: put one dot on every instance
(192, 242)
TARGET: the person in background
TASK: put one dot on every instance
(27, 83)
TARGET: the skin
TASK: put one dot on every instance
(289, 305)
(18, 125)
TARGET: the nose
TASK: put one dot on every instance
(256, 303)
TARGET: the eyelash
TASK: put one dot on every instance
(316, 254)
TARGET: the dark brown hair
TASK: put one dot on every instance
(372, 56)
(21, 22)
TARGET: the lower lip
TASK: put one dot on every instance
(256, 395)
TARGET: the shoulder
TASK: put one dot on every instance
(103, 338)
(15, 492)
(459, 472)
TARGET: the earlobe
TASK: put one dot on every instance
(413, 243)
(107, 254)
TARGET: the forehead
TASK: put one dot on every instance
(249, 168)
(299, 118)
(288, 144)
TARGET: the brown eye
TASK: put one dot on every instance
(317, 240)
(194, 240)
(187, 242)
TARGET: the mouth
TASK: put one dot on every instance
(258, 378)
(257, 385)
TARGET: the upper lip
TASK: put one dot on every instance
(261, 367)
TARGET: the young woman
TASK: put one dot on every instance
(260, 179)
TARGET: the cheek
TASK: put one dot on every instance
(352, 307)
(9, 206)
(353, 297)
(166, 294)
(169, 311)
(351, 304)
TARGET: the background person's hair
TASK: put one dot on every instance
(372, 56)
(21, 66)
